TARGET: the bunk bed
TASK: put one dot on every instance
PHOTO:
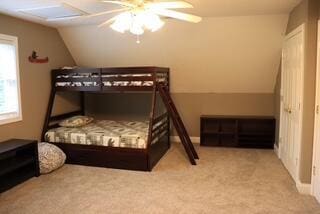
(152, 136)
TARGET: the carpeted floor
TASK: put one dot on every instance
(225, 181)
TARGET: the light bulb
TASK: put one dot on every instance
(152, 21)
(117, 27)
(136, 28)
(122, 23)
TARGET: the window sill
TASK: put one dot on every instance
(11, 120)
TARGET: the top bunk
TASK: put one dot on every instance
(109, 79)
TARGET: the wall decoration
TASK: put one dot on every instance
(34, 58)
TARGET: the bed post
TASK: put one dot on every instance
(49, 107)
(168, 117)
(48, 114)
(153, 105)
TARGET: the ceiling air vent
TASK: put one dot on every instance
(53, 12)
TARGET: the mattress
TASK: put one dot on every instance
(127, 134)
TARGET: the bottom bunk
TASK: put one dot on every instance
(112, 144)
(111, 133)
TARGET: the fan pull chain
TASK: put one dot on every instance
(138, 39)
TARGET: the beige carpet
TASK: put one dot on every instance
(225, 181)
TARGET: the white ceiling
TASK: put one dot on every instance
(205, 8)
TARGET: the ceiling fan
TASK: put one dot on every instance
(138, 15)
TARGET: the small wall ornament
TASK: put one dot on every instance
(34, 58)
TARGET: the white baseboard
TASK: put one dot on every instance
(176, 139)
(276, 150)
(303, 188)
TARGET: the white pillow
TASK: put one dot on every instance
(50, 157)
(76, 121)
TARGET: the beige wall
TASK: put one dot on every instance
(193, 105)
(115, 105)
(35, 78)
(306, 12)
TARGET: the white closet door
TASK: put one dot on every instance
(292, 83)
(316, 146)
(285, 100)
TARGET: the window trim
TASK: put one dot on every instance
(14, 40)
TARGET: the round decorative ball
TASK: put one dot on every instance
(50, 157)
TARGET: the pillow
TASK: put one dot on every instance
(76, 121)
(50, 157)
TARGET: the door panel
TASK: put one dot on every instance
(316, 150)
(292, 82)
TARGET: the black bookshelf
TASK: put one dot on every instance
(237, 131)
(18, 162)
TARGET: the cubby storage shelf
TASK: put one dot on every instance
(222, 133)
(14, 163)
(18, 162)
(237, 131)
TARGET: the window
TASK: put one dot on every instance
(10, 104)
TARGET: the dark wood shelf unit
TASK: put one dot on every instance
(237, 131)
(18, 162)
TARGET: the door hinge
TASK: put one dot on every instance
(296, 161)
(314, 170)
(317, 109)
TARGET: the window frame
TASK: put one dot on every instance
(14, 41)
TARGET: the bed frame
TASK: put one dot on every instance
(106, 80)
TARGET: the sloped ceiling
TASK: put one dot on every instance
(219, 55)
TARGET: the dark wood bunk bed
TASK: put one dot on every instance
(106, 80)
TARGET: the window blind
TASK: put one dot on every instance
(9, 85)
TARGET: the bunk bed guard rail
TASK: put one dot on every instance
(109, 79)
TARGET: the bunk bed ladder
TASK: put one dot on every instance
(177, 122)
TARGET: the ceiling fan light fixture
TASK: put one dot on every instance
(136, 28)
(122, 22)
(136, 22)
(140, 15)
(152, 22)
(144, 15)
(117, 27)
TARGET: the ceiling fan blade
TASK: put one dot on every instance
(106, 12)
(122, 3)
(63, 18)
(107, 22)
(177, 15)
(169, 5)
(87, 16)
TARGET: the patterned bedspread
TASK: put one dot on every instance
(77, 83)
(128, 134)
